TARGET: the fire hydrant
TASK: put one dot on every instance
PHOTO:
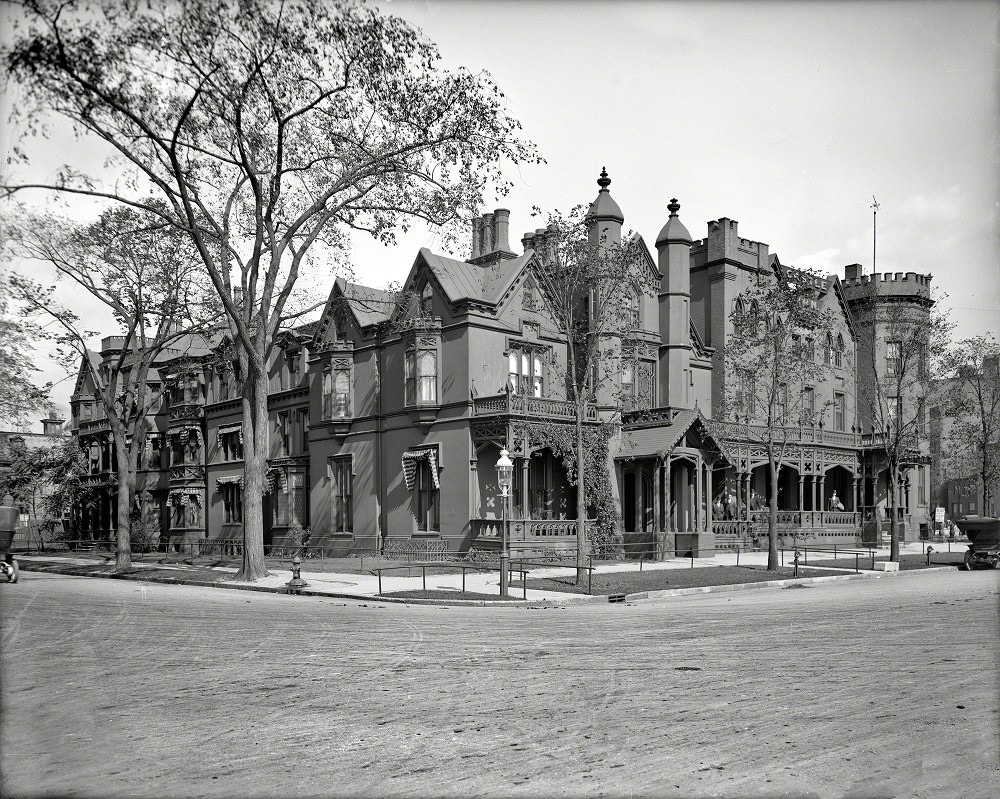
(296, 582)
(929, 550)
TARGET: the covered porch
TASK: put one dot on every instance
(665, 466)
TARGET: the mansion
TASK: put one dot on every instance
(386, 426)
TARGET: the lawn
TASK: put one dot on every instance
(633, 582)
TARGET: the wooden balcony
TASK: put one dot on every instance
(187, 473)
(741, 431)
(185, 412)
(509, 404)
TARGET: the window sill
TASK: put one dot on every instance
(425, 534)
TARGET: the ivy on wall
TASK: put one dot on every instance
(561, 440)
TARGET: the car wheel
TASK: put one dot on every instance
(967, 562)
(12, 576)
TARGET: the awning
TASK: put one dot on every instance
(410, 460)
(233, 480)
(229, 428)
(275, 477)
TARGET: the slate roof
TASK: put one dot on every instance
(465, 282)
(658, 441)
(370, 306)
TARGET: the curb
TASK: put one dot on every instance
(139, 578)
(570, 599)
(711, 589)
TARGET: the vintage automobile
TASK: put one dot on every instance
(983, 533)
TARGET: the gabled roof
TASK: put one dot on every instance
(369, 306)
(658, 441)
(465, 282)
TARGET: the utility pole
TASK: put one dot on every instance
(874, 206)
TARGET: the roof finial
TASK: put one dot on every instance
(673, 206)
(604, 181)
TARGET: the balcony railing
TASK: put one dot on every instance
(740, 431)
(187, 472)
(185, 411)
(535, 407)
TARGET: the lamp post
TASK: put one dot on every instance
(505, 469)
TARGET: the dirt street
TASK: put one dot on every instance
(878, 688)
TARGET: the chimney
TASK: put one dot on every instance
(501, 229)
(475, 237)
(528, 241)
(52, 425)
(486, 235)
(852, 271)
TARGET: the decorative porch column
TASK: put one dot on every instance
(802, 493)
(857, 494)
(525, 493)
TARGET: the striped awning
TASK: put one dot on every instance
(410, 460)
(229, 428)
(233, 480)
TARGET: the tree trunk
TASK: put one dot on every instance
(126, 489)
(772, 518)
(893, 529)
(254, 469)
(581, 495)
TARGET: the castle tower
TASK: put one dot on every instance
(673, 248)
(605, 218)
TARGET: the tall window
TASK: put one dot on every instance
(525, 372)
(628, 382)
(426, 496)
(303, 431)
(293, 368)
(632, 312)
(828, 350)
(921, 412)
(426, 297)
(746, 394)
(232, 502)
(420, 371)
(337, 393)
(808, 405)
(637, 384)
(528, 296)
(838, 353)
(281, 428)
(893, 357)
(893, 408)
(839, 411)
(231, 443)
(342, 495)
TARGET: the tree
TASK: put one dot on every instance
(269, 130)
(971, 402)
(771, 356)
(145, 272)
(591, 286)
(46, 482)
(899, 349)
(19, 395)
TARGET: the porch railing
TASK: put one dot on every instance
(525, 529)
(805, 518)
(519, 405)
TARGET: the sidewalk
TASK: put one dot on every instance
(366, 586)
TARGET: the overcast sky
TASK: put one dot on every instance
(787, 117)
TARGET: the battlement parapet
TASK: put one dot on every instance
(723, 241)
(895, 284)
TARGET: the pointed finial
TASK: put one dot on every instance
(673, 206)
(604, 181)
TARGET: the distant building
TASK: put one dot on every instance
(10, 442)
(388, 415)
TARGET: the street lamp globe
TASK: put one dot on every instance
(505, 469)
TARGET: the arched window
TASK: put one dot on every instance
(838, 353)
(828, 350)
(327, 394)
(342, 394)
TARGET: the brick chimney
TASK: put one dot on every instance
(491, 237)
